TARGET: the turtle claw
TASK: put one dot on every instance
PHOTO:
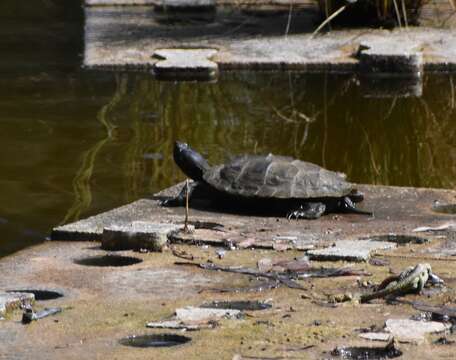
(311, 211)
(295, 214)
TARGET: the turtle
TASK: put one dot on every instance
(300, 188)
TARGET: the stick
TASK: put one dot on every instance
(246, 271)
(328, 19)
(186, 207)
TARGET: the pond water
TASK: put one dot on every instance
(76, 142)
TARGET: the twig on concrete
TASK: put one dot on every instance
(186, 229)
(283, 279)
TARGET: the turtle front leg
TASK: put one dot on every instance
(308, 211)
(179, 200)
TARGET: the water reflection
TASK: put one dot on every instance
(321, 118)
(78, 143)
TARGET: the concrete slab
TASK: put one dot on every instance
(350, 250)
(185, 64)
(104, 304)
(127, 37)
(92, 227)
(397, 212)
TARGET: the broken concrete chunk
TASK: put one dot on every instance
(12, 301)
(192, 314)
(350, 250)
(185, 64)
(137, 235)
(412, 331)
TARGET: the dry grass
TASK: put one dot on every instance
(381, 12)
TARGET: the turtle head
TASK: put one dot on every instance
(192, 163)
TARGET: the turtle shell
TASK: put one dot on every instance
(276, 177)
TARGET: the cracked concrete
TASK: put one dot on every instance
(104, 304)
(397, 212)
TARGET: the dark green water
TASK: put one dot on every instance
(76, 142)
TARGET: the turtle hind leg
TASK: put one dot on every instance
(179, 200)
(308, 211)
(346, 205)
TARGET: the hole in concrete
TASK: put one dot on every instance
(238, 305)
(108, 260)
(40, 295)
(154, 340)
(364, 353)
(398, 239)
(445, 208)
